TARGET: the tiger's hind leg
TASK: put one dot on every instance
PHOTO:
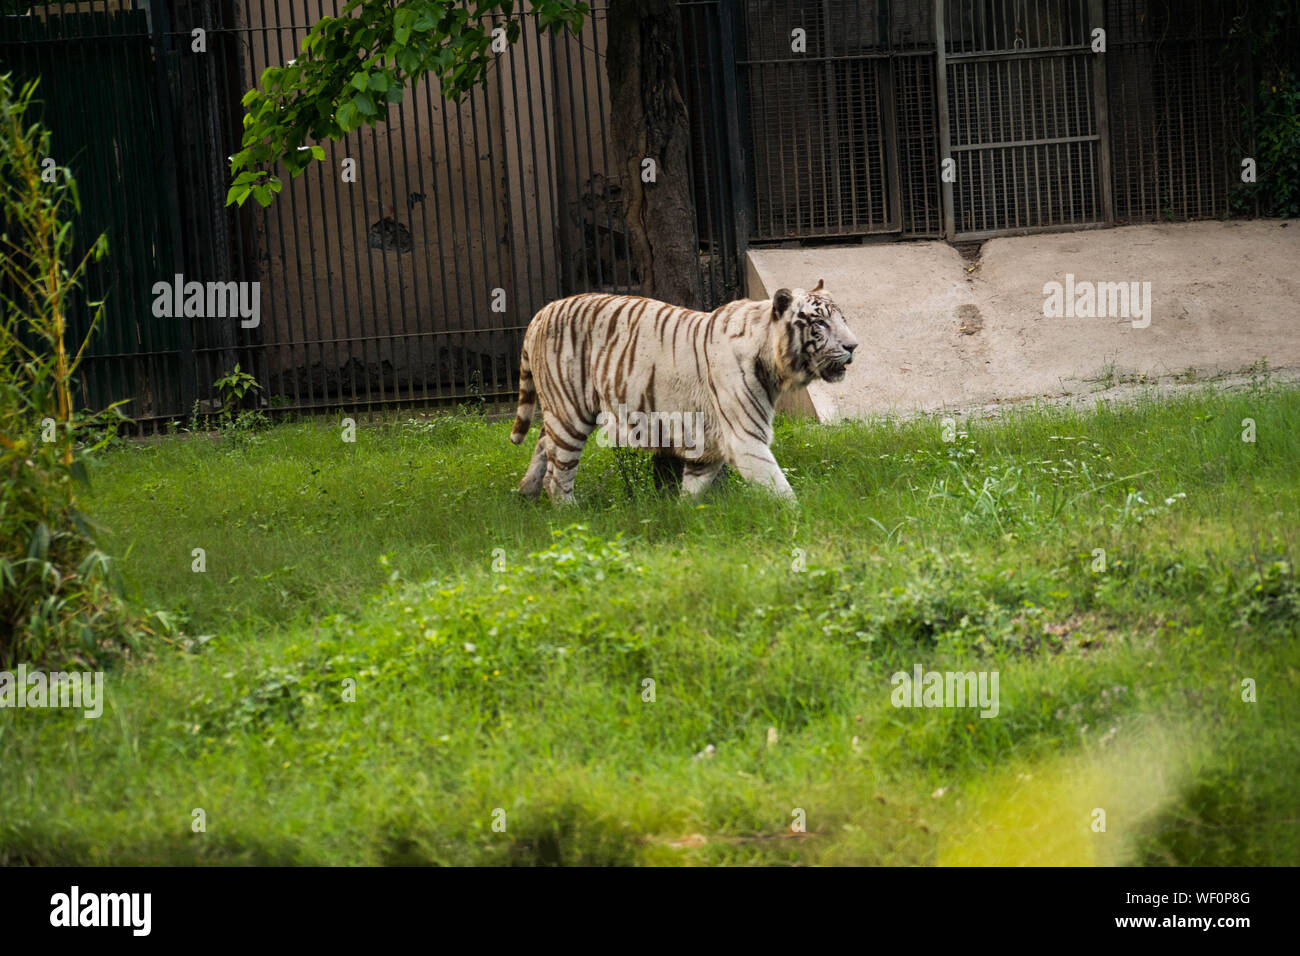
(531, 485)
(697, 476)
(563, 449)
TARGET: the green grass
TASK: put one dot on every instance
(521, 689)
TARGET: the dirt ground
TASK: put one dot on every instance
(940, 331)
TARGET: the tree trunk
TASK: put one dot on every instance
(649, 121)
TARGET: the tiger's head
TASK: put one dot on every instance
(812, 339)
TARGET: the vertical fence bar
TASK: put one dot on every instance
(1101, 113)
(948, 225)
(189, 369)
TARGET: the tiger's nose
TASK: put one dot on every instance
(849, 349)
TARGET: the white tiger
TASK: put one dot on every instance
(588, 358)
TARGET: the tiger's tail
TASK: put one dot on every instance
(527, 398)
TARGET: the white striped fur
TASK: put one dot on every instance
(590, 354)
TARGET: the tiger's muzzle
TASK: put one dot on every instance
(833, 369)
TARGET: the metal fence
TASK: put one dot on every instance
(849, 108)
(404, 269)
(719, 182)
(1175, 84)
(101, 96)
(837, 97)
(1023, 117)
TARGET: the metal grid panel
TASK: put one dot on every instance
(918, 144)
(911, 25)
(1172, 78)
(1005, 26)
(1022, 116)
(824, 155)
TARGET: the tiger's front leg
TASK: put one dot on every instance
(755, 462)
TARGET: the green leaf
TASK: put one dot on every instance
(364, 104)
(80, 523)
(409, 61)
(347, 117)
(353, 65)
(40, 543)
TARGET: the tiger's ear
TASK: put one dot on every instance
(781, 302)
(820, 283)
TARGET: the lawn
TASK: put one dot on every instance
(394, 659)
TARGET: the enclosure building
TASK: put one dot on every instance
(411, 280)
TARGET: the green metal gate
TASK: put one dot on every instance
(99, 97)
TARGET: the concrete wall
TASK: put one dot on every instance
(940, 332)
